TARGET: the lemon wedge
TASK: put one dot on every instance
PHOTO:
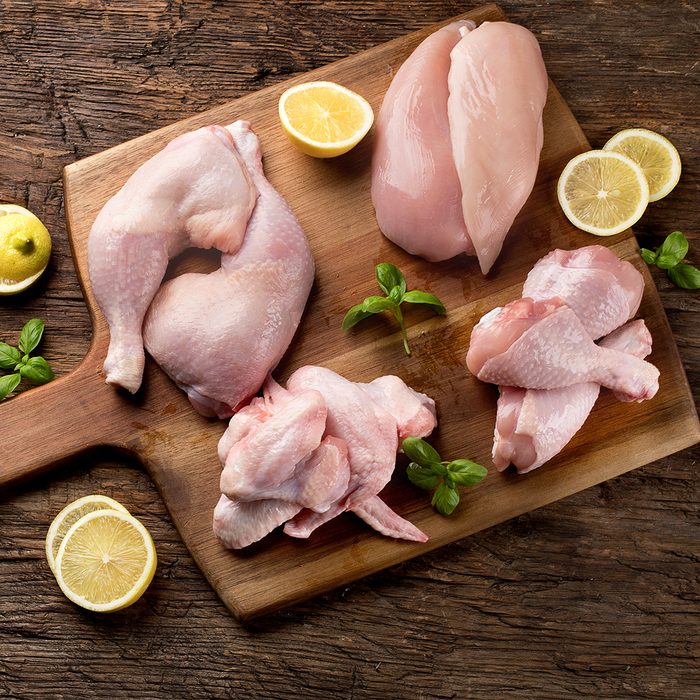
(106, 561)
(603, 192)
(324, 119)
(654, 154)
(25, 247)
(70, 515)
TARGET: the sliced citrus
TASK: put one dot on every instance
(654, 154)
(70, 515)
(324, 119)
(603, 192)
(25, 247)
(106, 561)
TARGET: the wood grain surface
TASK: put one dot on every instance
(530, 607)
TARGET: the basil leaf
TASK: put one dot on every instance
(649, 256)
(31, 334)
(374, 305)
(672, 250)
(37, 370)
(445, 499)
(389, 276)
(354, 315)
(465, 472)
(395, 295)
(422, 477)
(418, 297)
(420, 451)
(684, 276)
(8, 384)
(9, 356)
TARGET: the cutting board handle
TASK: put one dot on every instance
(46, 425)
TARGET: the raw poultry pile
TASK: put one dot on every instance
(456, 152)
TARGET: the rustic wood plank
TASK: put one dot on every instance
(545, 593)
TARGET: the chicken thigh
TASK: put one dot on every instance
(218, 335)
(196, 192)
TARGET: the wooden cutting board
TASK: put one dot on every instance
(80, 412)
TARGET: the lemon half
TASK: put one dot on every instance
(324, 119)
(603, 192)
(106, 561)
(654, 154)
(69, 516)
(25, 248)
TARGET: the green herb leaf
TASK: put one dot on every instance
(422, 477)
(8, 384)
(392, 283)
(445, 499)
(417, 297)
(465, 472)
(31, 334)
(685, 276)
(375, 305)
(9, 356)
(672, 251)
(420, 451)
(389, 276)
(354, 315)
(649, 256)
(395, 295)
(37, 370)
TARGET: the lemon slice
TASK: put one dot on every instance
(25, 247)
(654, 154)
(324, 119)
(70, 515)
(603, 192)
(106, 561)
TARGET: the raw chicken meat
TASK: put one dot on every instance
(498, 88)
(543, 345)
(532, 426)
(218, 335)
(195, 192)
(306, 454)
(458, 140)
(602, 290)
(415, 188)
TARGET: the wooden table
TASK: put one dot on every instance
(595, 595)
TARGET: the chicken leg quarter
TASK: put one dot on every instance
(196, 192)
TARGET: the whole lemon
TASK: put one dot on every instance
(25, 248)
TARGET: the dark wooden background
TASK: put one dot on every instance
(596, 595)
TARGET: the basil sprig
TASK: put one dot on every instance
(669, 256)
(428, 472)
(35, 369)
(393, 284)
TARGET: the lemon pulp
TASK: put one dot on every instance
(324, 119)
(655, 155)
(69, 516)
(106, 561)
(603, 192)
